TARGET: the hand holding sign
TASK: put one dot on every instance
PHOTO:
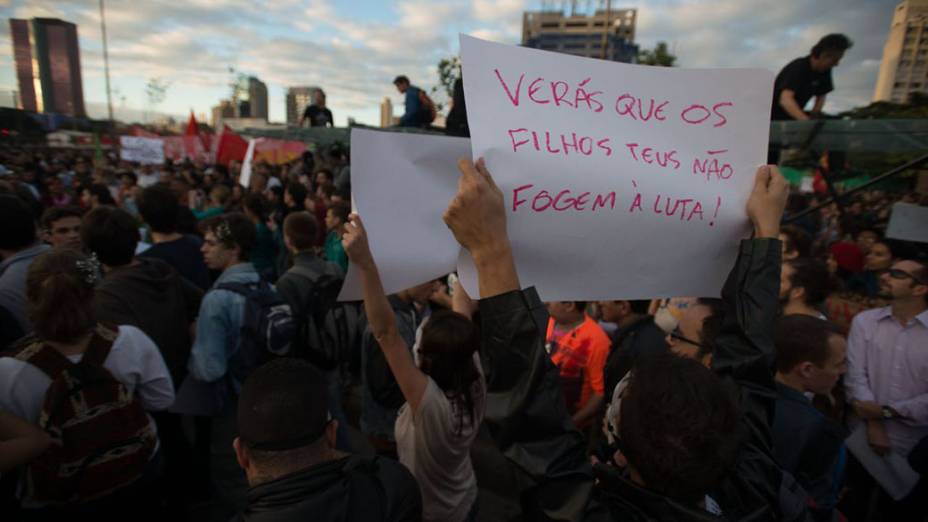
(478, 220)
(355, 243)
(476, 215)
(767, 201)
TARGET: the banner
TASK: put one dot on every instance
(620, 181)
(177, 148)
(277, 152)
(147, 151)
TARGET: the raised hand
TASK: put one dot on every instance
(476, 215)
(355, 244)
(767, 201)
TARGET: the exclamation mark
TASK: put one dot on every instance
(718, 203)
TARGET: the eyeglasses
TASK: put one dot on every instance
(675, 334)
(896, 273)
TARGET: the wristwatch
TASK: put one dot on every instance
(888, 413)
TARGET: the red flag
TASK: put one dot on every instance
(192, 128)
(230, 147)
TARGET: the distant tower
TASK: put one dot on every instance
(904, 68)
(386, 113)
(48, 65)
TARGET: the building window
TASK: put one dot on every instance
(916, 85)
(898, 85)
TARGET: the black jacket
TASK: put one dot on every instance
(641, 338)
(351, 489)
(153, 297)
(532, 428)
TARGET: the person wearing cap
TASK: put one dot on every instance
(286, 446)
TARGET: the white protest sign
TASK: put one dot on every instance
(620, 181)
(147, 151)
(908, 222)
(401, 185)
(244, 178)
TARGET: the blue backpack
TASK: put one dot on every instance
(268, 327)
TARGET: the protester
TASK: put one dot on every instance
(456, 124)
(417, 112)
(636, 336)
(96, 195)
(885, 381)
(796, 242)
(445, 393)
(62, 227)
(219, 198)
(20, 442)
(286, 445)
(19, 247)
(810, 358)
(804, 285)
(808, 77)
(121, 372)
(651, 431)
(381, 395)
(336, 216)
(227, 247)
(311, 288)
(264, 253)
(578, 347)
(316, 113)
(160, 210)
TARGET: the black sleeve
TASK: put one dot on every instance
(331, 118)
(526, 413)
(192, 298)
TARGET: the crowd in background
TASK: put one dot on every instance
(169, 275)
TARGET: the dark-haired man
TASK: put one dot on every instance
(160, 209)
(309, 283)
(578, 346)
(286, 445)
(316, 113)
(227, 245)
(62, 227)
(804, 286)
(637, 336)
(811, 357)
(149, 294)
(414, 113)
(807, 77)
(887, 365)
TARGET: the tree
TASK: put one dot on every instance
(449, 70)
(155, 91)
(660, 56)
(915, 109)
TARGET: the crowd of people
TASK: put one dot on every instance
(173, 348)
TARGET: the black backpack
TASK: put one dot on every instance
(328, 329)
(268, 327)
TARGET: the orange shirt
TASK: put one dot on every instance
(580, 356)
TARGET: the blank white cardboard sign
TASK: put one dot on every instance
(401, 185)
(620, 181)
(908, 222)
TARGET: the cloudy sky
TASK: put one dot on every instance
(354, 48)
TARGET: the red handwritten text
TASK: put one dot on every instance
(561, 201)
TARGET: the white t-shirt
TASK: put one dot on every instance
(134, 360)
(429, 445)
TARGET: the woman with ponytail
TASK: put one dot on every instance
(445, 392)
(75, 377)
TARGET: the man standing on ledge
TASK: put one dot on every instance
(806, 77)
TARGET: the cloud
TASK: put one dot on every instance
(353, 49)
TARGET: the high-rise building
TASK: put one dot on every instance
(48, 65)
(224, 110)
(904, 68)
(257, 99)
(608, 34)
(298, 98)
(386, 113)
